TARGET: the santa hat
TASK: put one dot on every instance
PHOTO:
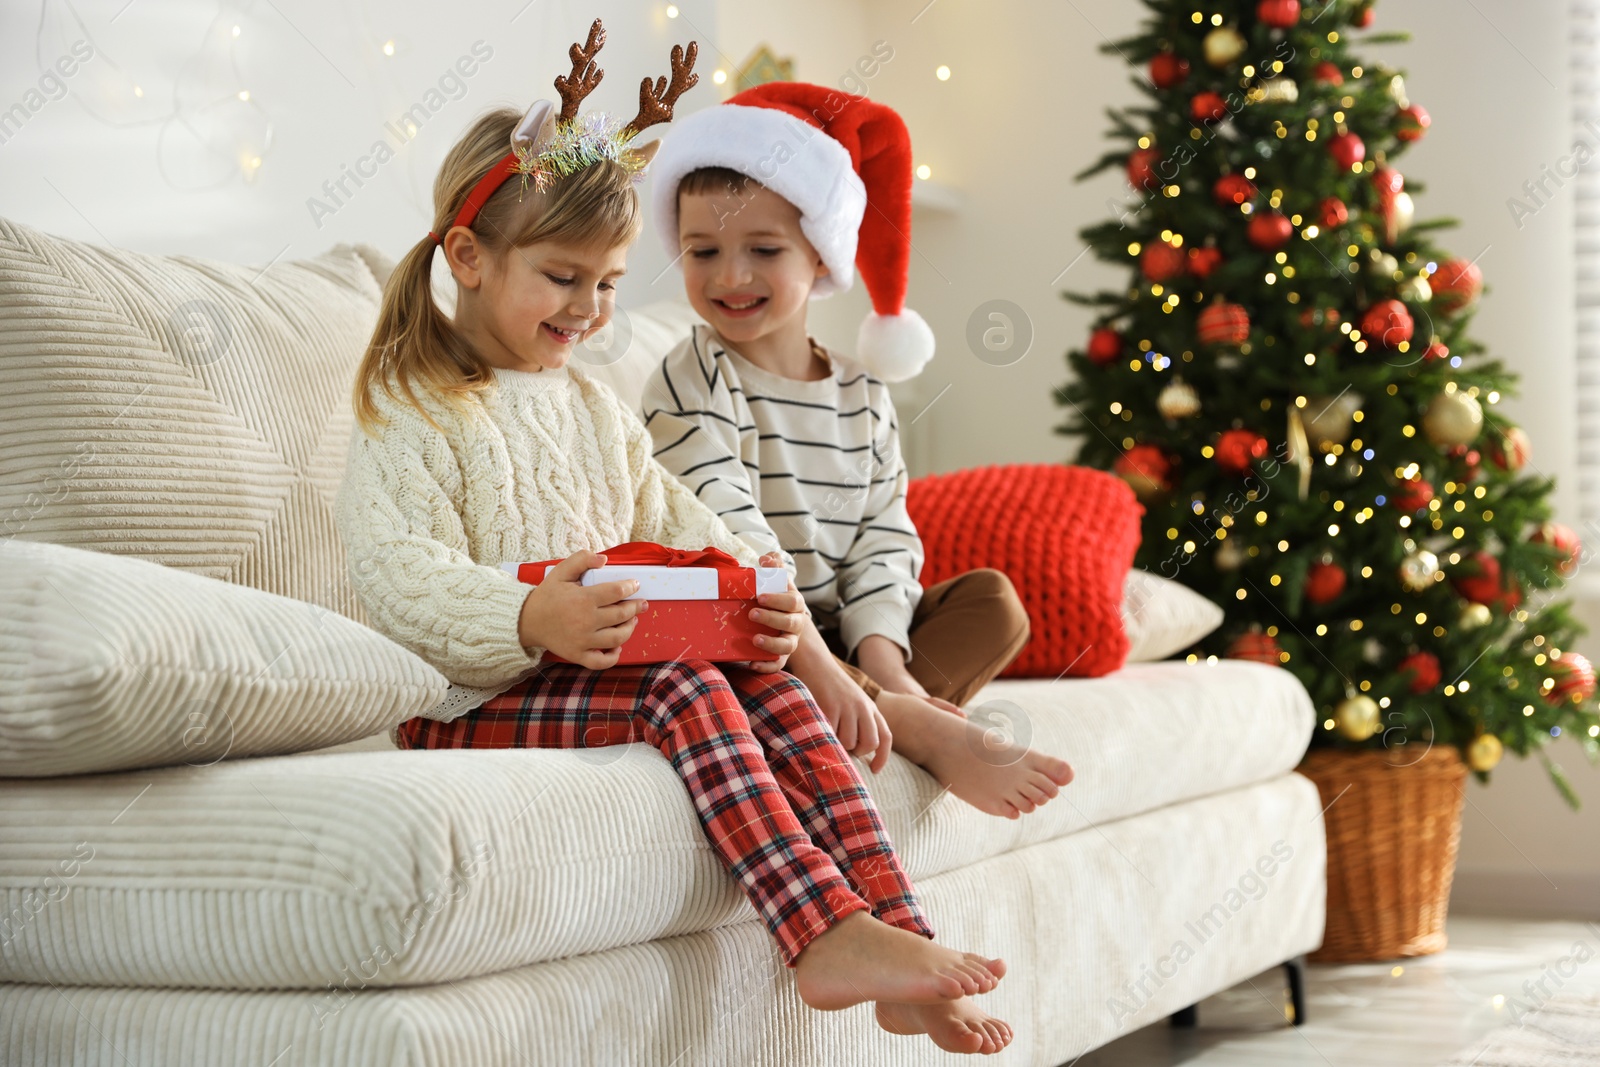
(845, 162)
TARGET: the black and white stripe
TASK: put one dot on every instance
(810, 468)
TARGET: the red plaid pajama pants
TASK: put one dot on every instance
(779, 798)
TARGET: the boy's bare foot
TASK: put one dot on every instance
(955, 1026)
(860, 959)
(999, 780)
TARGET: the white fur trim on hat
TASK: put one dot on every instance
(794, 159)
(894, 347)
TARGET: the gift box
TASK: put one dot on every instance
(699, 601)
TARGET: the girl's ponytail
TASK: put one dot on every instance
(416, 345)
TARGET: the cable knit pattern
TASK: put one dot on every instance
(539, 466)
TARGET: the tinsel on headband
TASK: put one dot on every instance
(586, 140)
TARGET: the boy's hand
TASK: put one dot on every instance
(856, 720)
(584, 624)
(785, 612)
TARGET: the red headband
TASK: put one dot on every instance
(480, 194)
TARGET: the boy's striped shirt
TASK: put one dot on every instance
(810, 468)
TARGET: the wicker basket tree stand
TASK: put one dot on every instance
(1393, 823)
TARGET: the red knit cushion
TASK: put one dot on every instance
(1065, 536)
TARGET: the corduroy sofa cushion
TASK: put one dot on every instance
(190, 413)
(109, 663)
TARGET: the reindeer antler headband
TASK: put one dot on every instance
(546, 145)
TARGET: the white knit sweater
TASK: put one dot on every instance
(542, 465)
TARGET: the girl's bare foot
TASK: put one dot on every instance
(955, 1026)
(860, 959)
(982, 769)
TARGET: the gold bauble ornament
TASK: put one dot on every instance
(1383, 263)
(1178, 400)
(1475, 617)
(1328, 419)
(1223, 45)
(1397, 91)
(1484, 752)
(1402, 211)
(1279, 91)
(1419, 570)
(1416, 290)
(1229, 557)
(1356, 718)
(1454, 417)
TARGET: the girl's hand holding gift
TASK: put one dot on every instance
(785, 612)
(585, 624)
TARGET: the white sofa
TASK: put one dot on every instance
(369, 906)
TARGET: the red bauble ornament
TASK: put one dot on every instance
(1423, 667)
(1413, 494)
(1223, 324)
(1387, 323)
(1480, 581)
(1327, 73)
(1324, 582)
(1142, 168)
(1237, 450)
(1512, 450)
(1363, 17)
(1257, 647)
(1574, 678)
(1161, 262)
(1232, 190)
(1387, 183)
(1279, 14)
(1456, 284)
(1470, 459)
(1435, 351)
(1347, 149)
(1269, 230)
(1146, 468)
(1167, 70)
(1105, 346)
(1202, 261)
(1333, 213)
(1207, 107)
(1564, 540)
(1413, 123)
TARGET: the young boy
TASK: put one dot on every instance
(765, 200)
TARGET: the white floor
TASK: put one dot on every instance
(1413, 1013)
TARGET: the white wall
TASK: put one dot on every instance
(169, 171)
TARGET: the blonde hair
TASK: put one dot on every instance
(415, 344)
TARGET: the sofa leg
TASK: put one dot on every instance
(1185, 1018)
(1295, 970)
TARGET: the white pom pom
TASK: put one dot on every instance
(894, 347)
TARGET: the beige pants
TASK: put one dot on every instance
(964, 632)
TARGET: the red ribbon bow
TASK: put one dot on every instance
(735, 581)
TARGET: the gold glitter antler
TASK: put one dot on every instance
(585, 75)
(655, 101)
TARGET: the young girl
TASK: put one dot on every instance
(480, 445)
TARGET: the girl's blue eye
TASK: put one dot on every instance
(607, 285)
(559, 281)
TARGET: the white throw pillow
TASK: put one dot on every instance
(111, 663)
(1161, 616)
(190, 413)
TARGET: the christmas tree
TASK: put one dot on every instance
(1289, 386)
